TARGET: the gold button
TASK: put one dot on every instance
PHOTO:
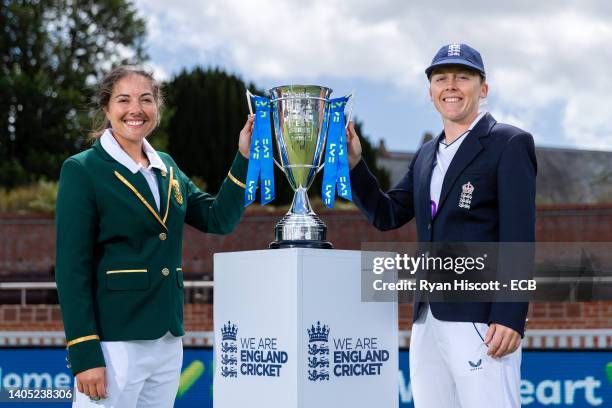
(165, 271)
(163, 236)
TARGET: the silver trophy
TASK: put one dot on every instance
(301, 118)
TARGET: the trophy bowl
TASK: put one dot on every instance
(301, 118)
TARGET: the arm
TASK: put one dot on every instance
(385, 211)
(220, 214)
(516, 178)
(76, 224)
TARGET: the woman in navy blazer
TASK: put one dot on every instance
(475, 182)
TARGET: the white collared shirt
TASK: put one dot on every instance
(444, 157)
(114, 149)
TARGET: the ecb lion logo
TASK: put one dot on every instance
(318, 352)
(229, 350)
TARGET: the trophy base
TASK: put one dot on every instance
(301, 244)
(300, 231)
(300, 227)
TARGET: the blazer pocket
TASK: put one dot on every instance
(127, 279)
(179, 277)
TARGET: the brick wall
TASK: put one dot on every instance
(27, 245)
(199, 317)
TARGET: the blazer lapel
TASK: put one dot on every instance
(468, 150)
(136, 183)
(164, 181)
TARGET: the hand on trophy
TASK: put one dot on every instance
(353, 145)
(244, 142)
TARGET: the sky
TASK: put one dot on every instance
(548, 63)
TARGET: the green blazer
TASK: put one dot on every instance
(118, 260)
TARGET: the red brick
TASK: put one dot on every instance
(56, 314)
(26, 314)
(572, 310)
(10, 314)
(41, 315)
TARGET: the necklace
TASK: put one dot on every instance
(458, 137)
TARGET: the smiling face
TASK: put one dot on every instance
(132, 109)
(456, 92)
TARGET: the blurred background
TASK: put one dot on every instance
(548, 70)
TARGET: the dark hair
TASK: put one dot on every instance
(105, 90)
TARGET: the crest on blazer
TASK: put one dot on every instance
(176, 190)
(465, 200)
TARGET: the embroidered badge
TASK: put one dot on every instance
(454, 50)
(465, 200)
(176, 190)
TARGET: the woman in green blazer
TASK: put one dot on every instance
(121, 209)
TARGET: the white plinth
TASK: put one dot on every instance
(271, 299)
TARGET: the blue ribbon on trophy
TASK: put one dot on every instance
(336, 168)
(261, 165)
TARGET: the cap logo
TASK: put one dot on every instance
(454, 50)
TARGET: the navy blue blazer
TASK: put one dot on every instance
(499, 161)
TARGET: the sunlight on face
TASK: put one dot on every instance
(132, 109)
(456, 93)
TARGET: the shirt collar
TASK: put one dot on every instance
(480, 115)
(474, 122)
(112, 147)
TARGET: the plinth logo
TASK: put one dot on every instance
(318, 353)
(330, 357)
(250, 356)
(229, 350)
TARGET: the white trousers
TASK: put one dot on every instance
(449, 367)
(139, 374)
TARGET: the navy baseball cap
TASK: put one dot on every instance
(457, 54)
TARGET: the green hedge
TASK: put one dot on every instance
(35, 198)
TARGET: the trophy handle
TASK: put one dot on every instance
(248, 96)
(351, 96)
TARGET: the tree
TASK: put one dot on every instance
(52, 53)
(207, 109)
